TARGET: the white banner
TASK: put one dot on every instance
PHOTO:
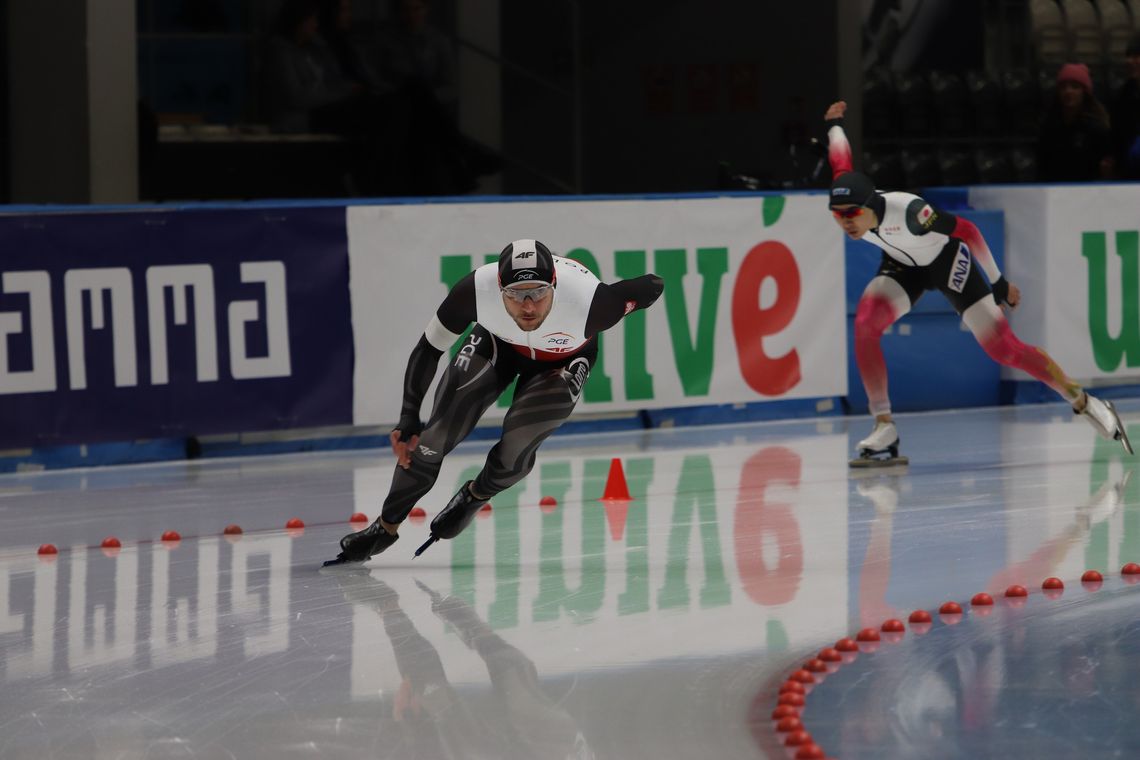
(753, 307)
(1073, 252)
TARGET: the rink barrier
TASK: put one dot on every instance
(933, 362)
(786, 727)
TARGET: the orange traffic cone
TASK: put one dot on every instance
(616, 488)
(615, 499)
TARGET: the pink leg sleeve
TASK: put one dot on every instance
(993, 332)
(874, 314)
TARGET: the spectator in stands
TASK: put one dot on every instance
(337, 30)
(414, 53)
(1126, 117)
(418, 60)
(1074, 144)
(309, 91)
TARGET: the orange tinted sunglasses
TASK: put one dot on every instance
(847, 213)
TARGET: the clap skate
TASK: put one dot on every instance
(363, 545)
(880, 448)
(1102, 416)
(453, 518)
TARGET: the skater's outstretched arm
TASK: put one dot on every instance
(1005, 292)
(838, 148)
(613, 301)
(452, 317)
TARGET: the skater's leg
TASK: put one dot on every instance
(883, 302)
(541, 403)
(465, 391)
(539, 408)
(989, 325)
(991, 329)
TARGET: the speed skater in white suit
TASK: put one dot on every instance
(925, 248)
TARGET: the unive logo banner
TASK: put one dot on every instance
(1075, 254)
(753, 307)
(142, 325)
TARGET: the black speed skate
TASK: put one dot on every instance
(880, 448)
(453, 518)
(363, 545)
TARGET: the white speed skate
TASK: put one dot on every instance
(1103, 417)
(880, 448)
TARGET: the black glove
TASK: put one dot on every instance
(408, 426)
(1001, 291)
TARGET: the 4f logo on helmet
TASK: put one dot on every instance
(524, 254)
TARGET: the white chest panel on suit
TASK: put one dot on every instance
(897, 239)
(564, 329)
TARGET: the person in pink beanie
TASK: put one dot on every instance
(1074, 144)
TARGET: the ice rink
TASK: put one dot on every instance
(659, 628)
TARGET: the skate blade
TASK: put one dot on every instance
(425, 545)
(871, 462)
(341, 561)
(1122, 433)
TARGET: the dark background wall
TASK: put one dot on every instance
(668, 90)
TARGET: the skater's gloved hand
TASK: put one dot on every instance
(404, 439)
(1005, 292)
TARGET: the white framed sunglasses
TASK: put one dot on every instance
(520, 294)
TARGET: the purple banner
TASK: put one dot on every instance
(120, 326)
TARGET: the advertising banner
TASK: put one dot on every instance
(167, 324)
(1074, 252)
(753, 307)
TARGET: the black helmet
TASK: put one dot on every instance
(852, 189)
(526, 261)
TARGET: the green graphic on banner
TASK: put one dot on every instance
(773, 209)
(694, 358)
(1107, 350)
(638, 381)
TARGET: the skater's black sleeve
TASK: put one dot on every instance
(452, 317)
(457, 311)
(613, 301)
(922, 217)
